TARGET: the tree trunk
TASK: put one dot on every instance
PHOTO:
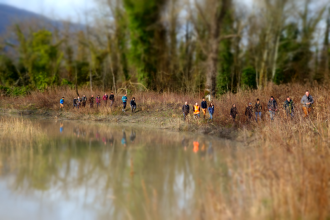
(275, 55)
(325, 51)
(212, 60)
(76, 83)
(263, 71)
(90, 79)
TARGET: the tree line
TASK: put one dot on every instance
(206, 46)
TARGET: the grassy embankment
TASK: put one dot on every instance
(164, 110)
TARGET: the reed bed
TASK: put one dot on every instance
(18, 131)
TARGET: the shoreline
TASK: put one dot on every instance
(174, 124)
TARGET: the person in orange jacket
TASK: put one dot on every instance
(197, 110)
(196, 146)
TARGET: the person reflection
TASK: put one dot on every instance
(202, 151)
(210, 150)
(123, 140)
(184, 143)
(111, 140)
(97, 135)
(76, 132)
(196, 146)
(61, 127)
(132, 136)
(104, 140)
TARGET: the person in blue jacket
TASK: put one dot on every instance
(62, 103)
(211, 111)
(124, 99)
(124, 140)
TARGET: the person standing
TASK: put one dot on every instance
(112, 99)
(307, 101)
(105, 99)
(133, 104)
(289, 107)
(185, 110)
(78, 102)
(233, 112)
(84, 100)
(98, 101)
(124, 100)
(258, 109)
(272, 107)
(62, 103)
(211, 111)
(91, 101)
(74, 102)
(249, 111)
(204, 107)
(196, 111)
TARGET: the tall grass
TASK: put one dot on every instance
(18, 131)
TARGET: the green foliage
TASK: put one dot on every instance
(249, 78)
(38, 55)
(4, 90)
(14, 91)
(42, 81)
(20, 91)
(8, 72)
(224, 78)
(65, 82)
(142, 16)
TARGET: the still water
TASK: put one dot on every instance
(94, 170)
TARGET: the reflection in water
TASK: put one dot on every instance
(196, 146)
(123, 140)
(84, 173)
(61, 127)
(133, 135)
(184, 143)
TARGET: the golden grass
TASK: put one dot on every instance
(19, 130)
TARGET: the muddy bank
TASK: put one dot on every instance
(127, 118)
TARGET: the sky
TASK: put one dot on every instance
(74, 10)
(56, 9)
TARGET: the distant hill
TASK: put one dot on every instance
(10, 15)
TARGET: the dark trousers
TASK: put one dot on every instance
(124, 105)
(185, 115)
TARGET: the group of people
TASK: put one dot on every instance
(307, 101)
(197, 109)
(77, 101)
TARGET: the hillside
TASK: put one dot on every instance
(10, 15)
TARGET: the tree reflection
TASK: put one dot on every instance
(152, 178)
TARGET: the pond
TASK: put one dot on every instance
(94, 170)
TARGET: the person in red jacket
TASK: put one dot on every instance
(105, 99)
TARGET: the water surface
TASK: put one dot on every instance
(89, 170)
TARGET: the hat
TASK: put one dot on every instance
(250, 103)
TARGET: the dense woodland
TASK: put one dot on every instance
(205, 46)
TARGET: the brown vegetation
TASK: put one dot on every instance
(169, 104)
